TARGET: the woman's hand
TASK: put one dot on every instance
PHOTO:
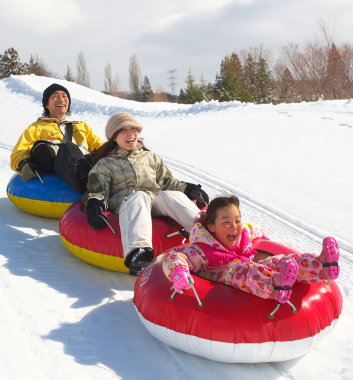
(195, 192)
(95, 210)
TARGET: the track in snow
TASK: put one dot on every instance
(100, 329)
(276, 227)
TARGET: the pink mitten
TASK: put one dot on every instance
(180, 278)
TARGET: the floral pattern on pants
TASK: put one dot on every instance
(256, 278)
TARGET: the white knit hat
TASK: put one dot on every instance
(119, 121)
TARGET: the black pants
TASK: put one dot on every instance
(64, 164)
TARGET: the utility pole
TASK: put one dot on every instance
(172, 84)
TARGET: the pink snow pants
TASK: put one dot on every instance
(256, 278)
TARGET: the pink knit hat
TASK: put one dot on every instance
(119, 121)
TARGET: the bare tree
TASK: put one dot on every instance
(135, 77)
(160, 95)
(38, 67)
(322, 69)
(111, 85)
(82, 76)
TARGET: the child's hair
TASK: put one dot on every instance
(217, 203)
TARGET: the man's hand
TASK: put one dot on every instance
(195, 192)
(95, 209)
(27, 170)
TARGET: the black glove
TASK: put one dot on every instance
(195, 192)
(95, 210)
(28, 170)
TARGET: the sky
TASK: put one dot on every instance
(164, 35)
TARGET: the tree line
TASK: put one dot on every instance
(321, 69)
(140, 89)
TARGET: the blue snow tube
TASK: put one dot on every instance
(50, 199)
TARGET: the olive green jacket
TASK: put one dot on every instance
(120, 174)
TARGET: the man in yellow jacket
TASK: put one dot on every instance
(56, 142)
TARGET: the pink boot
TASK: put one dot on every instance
(284, 280)
(329, 258)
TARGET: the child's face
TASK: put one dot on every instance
(227, 226)
(127, 138)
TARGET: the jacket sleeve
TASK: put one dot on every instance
(23, 147)
(93, 141)
(190, 257)
(255, 231)
(165, 179)
(99, 179)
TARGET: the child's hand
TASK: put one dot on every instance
(180, 278)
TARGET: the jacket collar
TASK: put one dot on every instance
(199, 234)
(67, 119)
(122, 153)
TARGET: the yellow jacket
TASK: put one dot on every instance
(47, 128)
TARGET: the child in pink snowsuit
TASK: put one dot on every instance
(221, 250)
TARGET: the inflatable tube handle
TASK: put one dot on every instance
(193, 289)
(39, 177)
(272, 314)
(114, 232)
(294, 309)
(172, 296)
(197, 297)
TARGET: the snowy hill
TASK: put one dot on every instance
(292, 167)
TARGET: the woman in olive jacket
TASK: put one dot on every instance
(130, 180)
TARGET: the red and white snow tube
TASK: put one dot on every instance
(233, 326)
(101, 247)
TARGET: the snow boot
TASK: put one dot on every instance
(329, 258)
(283, 281)
(138, 259)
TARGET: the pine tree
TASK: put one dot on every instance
(257, 79)
(338, 81)
(69, 76)
(146, 91)
(265, 82)
(204, 90)
(286, 88)
(229, 84)
(193, 92)
(32, 66)
(10, 64)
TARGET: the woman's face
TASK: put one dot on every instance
(127, 138)
(227, 226)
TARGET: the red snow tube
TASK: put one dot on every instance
(233, 326)
(101, 247)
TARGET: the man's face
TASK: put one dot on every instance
(58, 104)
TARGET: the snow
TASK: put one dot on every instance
(291, 166)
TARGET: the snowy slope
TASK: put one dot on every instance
(291, 165)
